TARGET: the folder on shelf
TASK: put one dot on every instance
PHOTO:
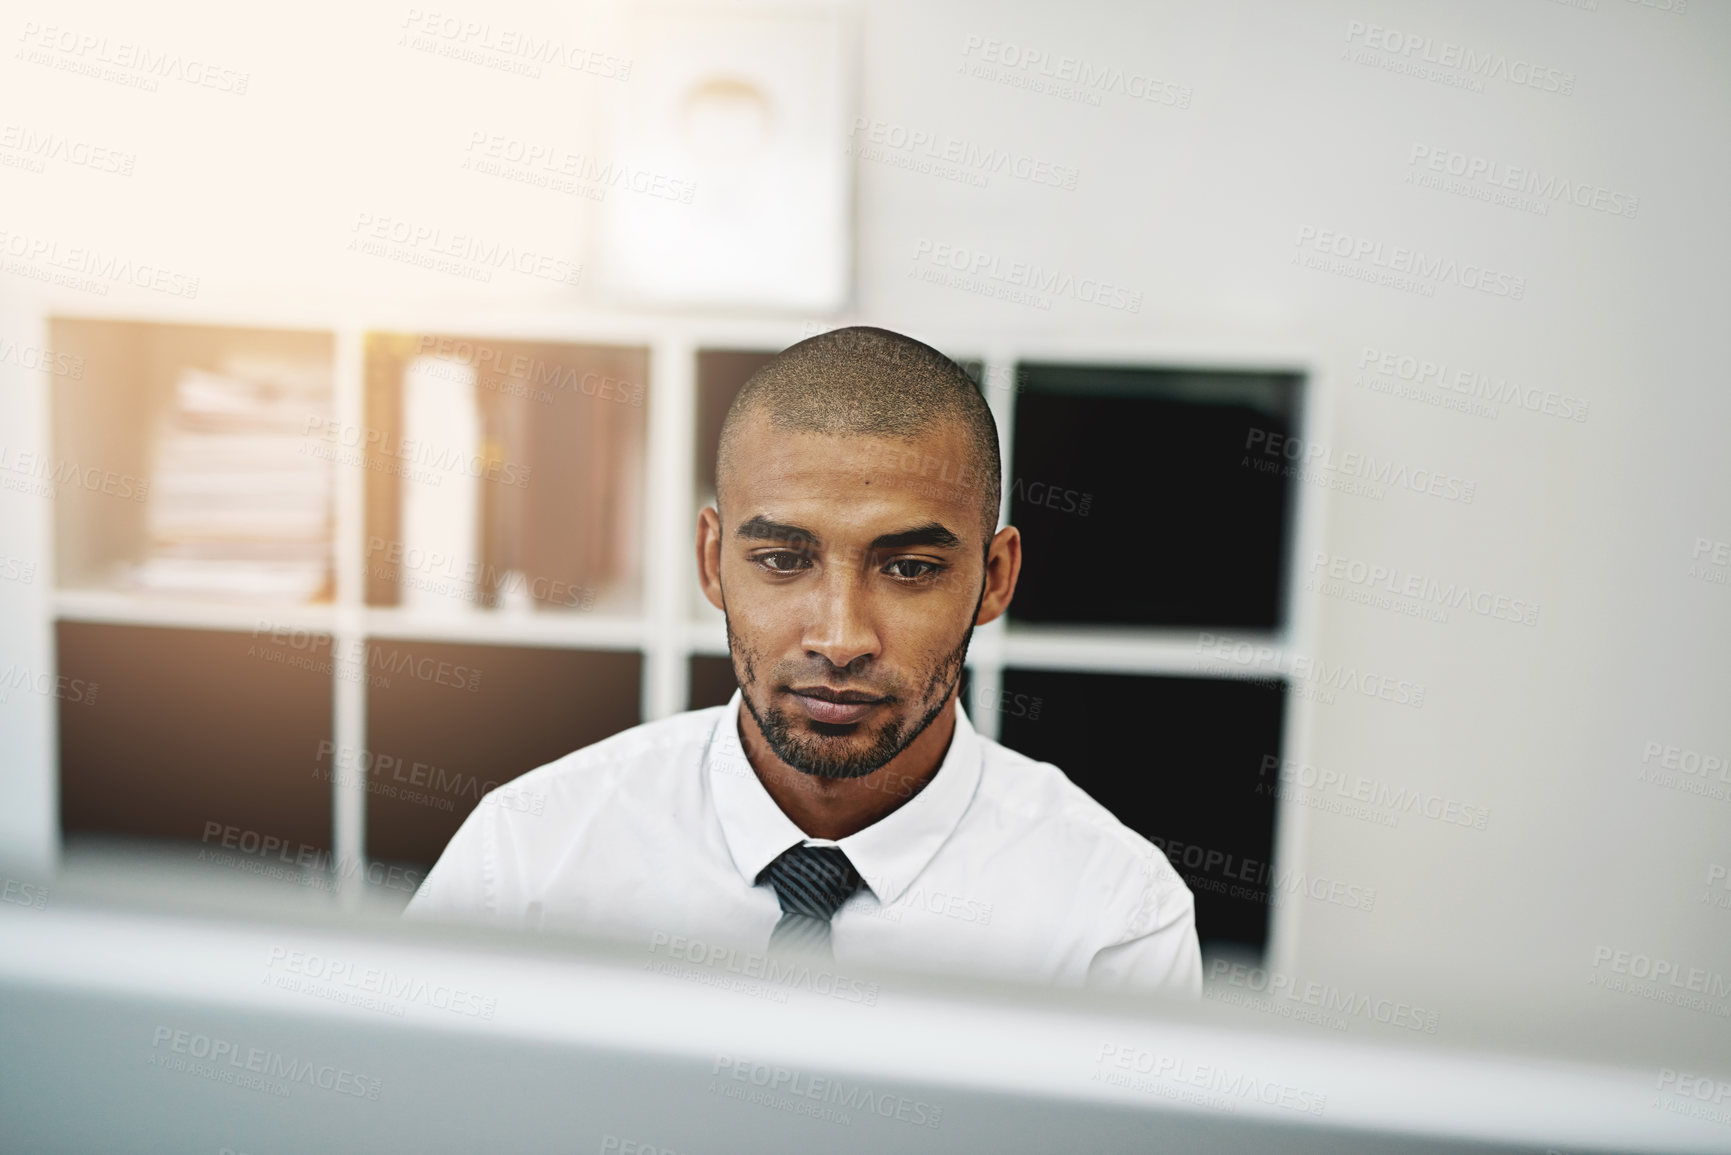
(441, 497)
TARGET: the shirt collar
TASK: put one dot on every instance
(888, 854)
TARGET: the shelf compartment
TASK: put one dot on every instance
(1148, 467)
(711, 681)
(1178, 760)
(191, 727)
(558, 457)
(446, 722)
(219, 503)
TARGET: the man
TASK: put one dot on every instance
(849, 811)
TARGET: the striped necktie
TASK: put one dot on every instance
(811, 883)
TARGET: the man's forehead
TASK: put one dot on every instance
(852, 487)
(860, 512)
(776, 459)
(775, 451)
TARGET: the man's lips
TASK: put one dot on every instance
(836, 707)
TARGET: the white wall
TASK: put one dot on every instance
(1198, 209)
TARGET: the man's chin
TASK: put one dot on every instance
(825, 750)
(836, 757)
(838, 733)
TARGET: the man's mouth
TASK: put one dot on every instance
(835, 707)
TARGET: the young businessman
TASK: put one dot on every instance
(849, 810)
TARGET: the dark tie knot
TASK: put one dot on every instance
(812, 880)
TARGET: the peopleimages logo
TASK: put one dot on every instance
(1265, 882)
(1717, 872)
(800, 1093)
(325, 437)
(342, 976)
(1470, 383)
(1448, 62)
(15, 678)
(463, 254)
(1018, 281)
(1392, 801)
(549, 165)
(172, 1049)
(1710, 561)
(1319, 455)
(362, 656)
(1304, 668)
(1236, 1087)
(535, 371)
(302, 862)
(87, 269)
(40, 360)
(1668, 971)
(1399, 266)
(473, 41)
(36, 148)
(1702, 1087)
(93, 55)
(952, 158)
(1492, 178)
(783, 973)
(1663, 762)
(1065, 77)
(1274, 989)
(21, 893)
(1425, 591)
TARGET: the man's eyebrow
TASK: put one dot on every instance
(760, 528)
(932, 534)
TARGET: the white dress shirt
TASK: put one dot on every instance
(1000, 866)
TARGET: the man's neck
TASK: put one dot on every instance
(834, 808)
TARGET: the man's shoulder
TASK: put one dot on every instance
(664, 745)
(1033, 796)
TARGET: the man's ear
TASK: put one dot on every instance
(1003, 568)
(709, 556)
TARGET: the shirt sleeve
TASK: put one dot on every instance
(1163, 953)
(462, 886)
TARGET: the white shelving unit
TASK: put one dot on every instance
(667, 632)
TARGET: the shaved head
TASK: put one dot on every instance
(855, 469)
(862, 381)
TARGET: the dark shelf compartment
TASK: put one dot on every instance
(1176, 759)
(189, 727)
(434, 745)
(711, 681)
(1136, 502)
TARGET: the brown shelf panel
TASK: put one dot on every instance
(188, 727)
(435, 745)
(711, 681)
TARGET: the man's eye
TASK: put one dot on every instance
(913, 568)
(782, 561)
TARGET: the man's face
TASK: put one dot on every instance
(851, 573)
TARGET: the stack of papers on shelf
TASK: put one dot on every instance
(240, 505)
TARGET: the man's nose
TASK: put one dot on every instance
(841, 631)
